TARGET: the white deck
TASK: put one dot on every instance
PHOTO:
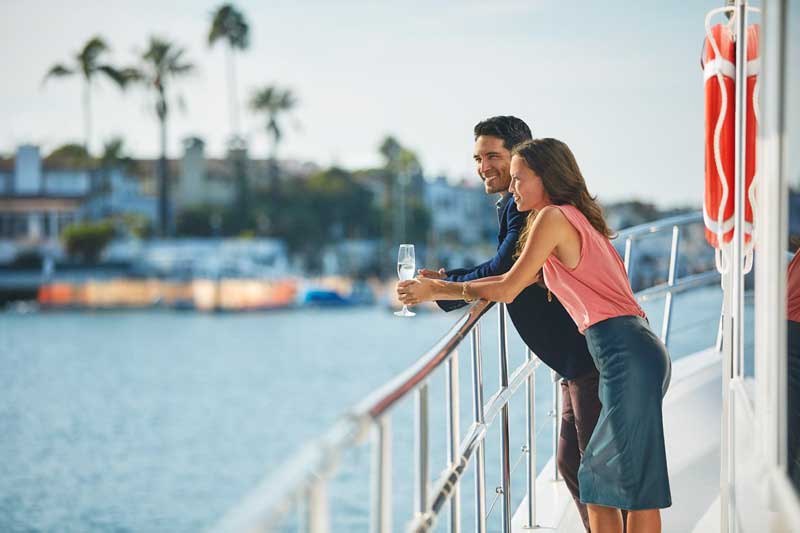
(692, 411)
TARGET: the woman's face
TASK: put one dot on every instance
(526, 186)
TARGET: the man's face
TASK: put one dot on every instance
(492, 161)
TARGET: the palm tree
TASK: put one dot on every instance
(401, 164)
(161, 62)
(229, 24)
(112, 158)
(274, 102)
(87, 64)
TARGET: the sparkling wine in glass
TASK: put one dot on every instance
(405, 270)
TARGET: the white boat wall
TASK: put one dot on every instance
(726, 413)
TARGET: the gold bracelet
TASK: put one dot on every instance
(464, 295)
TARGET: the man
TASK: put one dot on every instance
(542, 322)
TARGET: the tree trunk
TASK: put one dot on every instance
(233, 99)
(240, 158)
(164, 211)
(87, 117)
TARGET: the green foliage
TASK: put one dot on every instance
(199, 221)
(274, 102)
(137, 225)
(229, 24)
(397, 158)
(86, 241)
(70, 155)
(212, 221)
(161, 63)
(403, 186)
(418, 220)
(327, 207)
(114, 155)
(87, 64)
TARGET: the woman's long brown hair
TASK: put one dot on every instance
(553, 162)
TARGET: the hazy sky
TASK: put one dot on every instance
(619, 81)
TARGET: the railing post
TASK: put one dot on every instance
(673, 266)
(382, 477)
(317, 508)
(421, 452)
(628, 253)
(556, 419)
(530, 411)
(477, 410)
(453, 436)
(504, 434)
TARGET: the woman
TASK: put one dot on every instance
(567, 239)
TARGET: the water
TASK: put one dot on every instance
(160, 421)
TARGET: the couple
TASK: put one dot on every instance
(611, 449)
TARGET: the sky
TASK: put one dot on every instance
(619, 82)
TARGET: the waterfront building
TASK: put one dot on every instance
(38, 199)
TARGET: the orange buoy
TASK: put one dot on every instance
(719, 72)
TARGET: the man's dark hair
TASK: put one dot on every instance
(511, 129)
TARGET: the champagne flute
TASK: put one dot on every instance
(405, 270)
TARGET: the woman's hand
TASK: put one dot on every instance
(415, 291)
(432, 274)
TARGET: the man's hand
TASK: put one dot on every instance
(415, 291)
(432, 274)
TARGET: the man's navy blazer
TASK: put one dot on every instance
(544, 326)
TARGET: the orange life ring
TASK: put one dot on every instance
(718, 200)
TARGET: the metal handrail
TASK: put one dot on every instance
(684, 284)
(385, 397)
(269, 501)
(660, 225)
(672, 286)
(305, 477)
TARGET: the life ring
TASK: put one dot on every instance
(719, 72)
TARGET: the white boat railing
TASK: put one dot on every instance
(303, 480)
(636, 234)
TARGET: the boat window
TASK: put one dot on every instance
(791, 152)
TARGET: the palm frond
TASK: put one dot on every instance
(89, 54)
(161, 61)
(165, 59)
(132, 75)
(116, 75)
(157, 50)
(274, 102)
(229, 24)
(57, 71)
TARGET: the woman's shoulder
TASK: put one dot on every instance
(553, 218)
(564, 217)
(569, 212)
(556, 214)
(551, 214)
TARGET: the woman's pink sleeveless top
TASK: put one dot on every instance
(793, 289)
(596, 289)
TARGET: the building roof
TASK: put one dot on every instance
(217, 169)
(24, 204)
